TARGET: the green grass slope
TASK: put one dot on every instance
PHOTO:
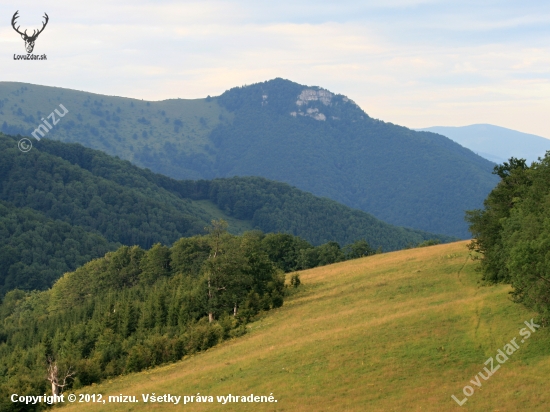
(305, 136)
(392, 332)
(171, 135)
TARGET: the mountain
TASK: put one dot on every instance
(305, 136)
(63, 204)
(495, 143)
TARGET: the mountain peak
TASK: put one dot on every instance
(292, 99)
(307, 136)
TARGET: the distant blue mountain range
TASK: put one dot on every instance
(495, 143)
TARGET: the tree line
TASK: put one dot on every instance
(135, 308)
(512, 232)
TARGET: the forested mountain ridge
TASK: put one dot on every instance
(171, 135)
(415, 179)
(64, 204)
(36, 250)
(305, 136)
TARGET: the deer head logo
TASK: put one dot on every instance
(29, 40)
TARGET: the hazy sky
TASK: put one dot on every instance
(414, 63)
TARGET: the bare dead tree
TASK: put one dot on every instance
(216, 231)
(55, 377)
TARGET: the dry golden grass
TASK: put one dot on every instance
(400, 331)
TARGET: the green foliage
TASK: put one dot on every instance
(358, 249)
(188, 255)
(295, 280)
(512, 232)
(413, 179)
(277, 300)
(284, 249)
(279, 208)
(62, 205)
(487, 225)
(133, 309)
(36, 250)
(430, 242)
(111, 198)
(330, 253)
(155, 264)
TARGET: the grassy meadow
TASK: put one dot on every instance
(129, 128)
(400, 331)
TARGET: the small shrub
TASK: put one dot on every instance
(430, 242)
(277, 300)
(239, 331)
(265, 302)
(253, 303)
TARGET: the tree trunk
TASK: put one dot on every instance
(210, 314)
(54, 379)
(235, 310)
(55, 389)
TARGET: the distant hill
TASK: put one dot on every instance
(495, 143)
(305, 136)
(63, 204)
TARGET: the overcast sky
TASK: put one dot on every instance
(410, 62)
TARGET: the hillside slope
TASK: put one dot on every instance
(305, 136)
(35, 250)
(380, 334)
(83, 203)
(495, 143)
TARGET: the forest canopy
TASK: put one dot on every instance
(136, 308)
(62, 205)
(512, 232)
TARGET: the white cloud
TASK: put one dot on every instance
(416, 63)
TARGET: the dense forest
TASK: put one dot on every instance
(35, 250)
(414, 179)
(512, 232)
(269, 206)
(136, 308)
(63, 205)
(327, 146)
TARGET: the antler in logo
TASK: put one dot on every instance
(29, 40)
